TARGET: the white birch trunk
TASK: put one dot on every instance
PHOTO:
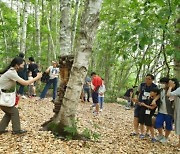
(74, 26)
(65, 24)
(24, 27)
(19, 28)
(89, 25)
(37, 22)
(51, 38)
(4, 32)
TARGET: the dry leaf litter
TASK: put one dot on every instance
(114, 124)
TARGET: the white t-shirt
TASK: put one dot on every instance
(30, 78)
(8, 79)
(54, 72)
(102, 90)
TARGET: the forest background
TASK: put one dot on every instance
(134, 37)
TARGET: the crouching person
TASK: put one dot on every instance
(7, 82)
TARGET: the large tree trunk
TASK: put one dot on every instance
(24, 27)
(89, 24)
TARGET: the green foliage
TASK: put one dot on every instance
(72, 132)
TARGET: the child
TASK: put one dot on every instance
(147, 111)
(31, 86)
(101, 92)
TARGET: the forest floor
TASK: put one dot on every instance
(114, 124)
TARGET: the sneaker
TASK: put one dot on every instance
(133, 134)
(23, 97)
(141, 136)
(19, 132)
(101, 110)
(147, 135)
(158, 138)
(4, 131)
(127, 108)
(153, 140)
(163, 140)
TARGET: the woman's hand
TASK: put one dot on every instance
(39, 75)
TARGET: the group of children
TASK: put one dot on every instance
(157, 107)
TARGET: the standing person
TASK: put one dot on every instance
(101, 92)
(141, 96)
(8, 82)
(54, 74)
(86, 88)
(147, 111)
(96, 83)
(30, 87)
(174, 91)
(24, 75)
(165, 114)
(33, 67)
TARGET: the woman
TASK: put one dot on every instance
(53, 72)
(174, 94)
(8, 82)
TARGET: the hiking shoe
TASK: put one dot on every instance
(19, 132)
(23, 97)
(133, 134)
(127, 108)
(141, 136)
(4, 131)
(163, 140)
(153, 140)
(158, 138)
(147, 135)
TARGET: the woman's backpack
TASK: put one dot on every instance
(45, 77)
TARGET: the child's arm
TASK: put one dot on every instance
(152, 106)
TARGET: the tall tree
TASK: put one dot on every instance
(89, 25)
(24, 27)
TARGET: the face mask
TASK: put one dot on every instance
(162, 86)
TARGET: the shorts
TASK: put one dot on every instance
(145, 119)
(95, 97)
(136, 111)
(161, 118)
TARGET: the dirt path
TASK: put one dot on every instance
(114, 124)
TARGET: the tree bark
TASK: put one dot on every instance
(89, 24)
(38, 36)
(74, 26)
(24, 27)
(65, 24)
(19, 28)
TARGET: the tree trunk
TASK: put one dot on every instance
(38, 36)
(65, 23)
(89, 24)
(19, 28)
(24, 27)
(74, 26)
(4, 32)
(177, 58)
